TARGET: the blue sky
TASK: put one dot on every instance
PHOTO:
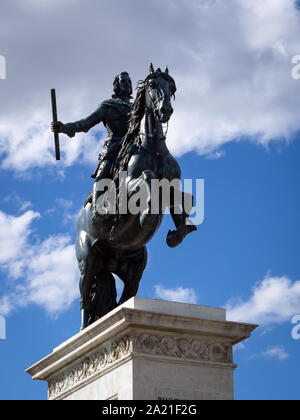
(238, 129)
(251, 227)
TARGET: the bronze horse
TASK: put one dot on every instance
(116, 243)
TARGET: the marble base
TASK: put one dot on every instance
(147, 350)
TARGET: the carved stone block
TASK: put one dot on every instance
(147, 349)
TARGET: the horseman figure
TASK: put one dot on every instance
(114, 113)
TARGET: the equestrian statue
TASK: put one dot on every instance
(118, 221)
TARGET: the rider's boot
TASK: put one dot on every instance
(95, 215)
(101, 174)
(149, 220)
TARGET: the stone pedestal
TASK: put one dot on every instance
(147, 350)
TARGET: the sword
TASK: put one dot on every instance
(54, 112)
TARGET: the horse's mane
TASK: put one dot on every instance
(129, 142)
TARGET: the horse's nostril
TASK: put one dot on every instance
(167, 110)
(166, 107)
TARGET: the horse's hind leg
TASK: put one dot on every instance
(132, 274)
(88, 269)
(97, 289)
(106, 294)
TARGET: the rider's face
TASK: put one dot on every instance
(125, 84)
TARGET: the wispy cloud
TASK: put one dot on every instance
(273, 301)
(18, 202)
(179, 294)
(238, 347)
(274, 352)
(67, 210)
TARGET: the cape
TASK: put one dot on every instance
(122, 106)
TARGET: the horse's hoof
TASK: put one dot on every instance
(190, 229)
(174, 238)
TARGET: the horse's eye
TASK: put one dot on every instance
(152, 84)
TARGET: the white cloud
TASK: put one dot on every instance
(32, 146)
(274, 301)
(276, 352)
(14, 233)
(231, 60)
(44, 273)
(179, 294)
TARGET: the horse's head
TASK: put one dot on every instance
(160, 87)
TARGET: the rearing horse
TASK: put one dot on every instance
(116, 244)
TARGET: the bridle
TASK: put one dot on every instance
(160, 98)
(154, 102)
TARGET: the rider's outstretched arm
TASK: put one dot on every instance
(83, 125)
(86, 124)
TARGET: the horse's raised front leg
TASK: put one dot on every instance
(180, 214)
